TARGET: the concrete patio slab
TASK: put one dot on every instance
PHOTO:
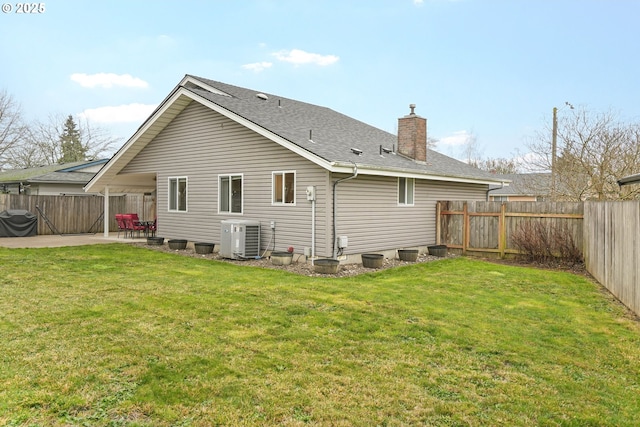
(52, 241)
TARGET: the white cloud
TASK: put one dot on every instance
(418, 2)
(257, 66)
(119, 114)
(108, 80)
(458, 138)
(298, 57)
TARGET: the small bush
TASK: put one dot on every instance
(546, 244)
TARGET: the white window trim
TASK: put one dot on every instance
(177, 179)
(413, 191)
(273, 196)
(230, 175)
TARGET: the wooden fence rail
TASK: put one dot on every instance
(77, 214)
(487, 227)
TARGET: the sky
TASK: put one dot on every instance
(489, 70)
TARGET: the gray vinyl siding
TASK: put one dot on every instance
(201, 144)
(369, 215)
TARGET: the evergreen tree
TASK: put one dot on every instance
(71, 143)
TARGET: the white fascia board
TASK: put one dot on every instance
(116, 160)
(196, 82)
(368, 170)
(260, 130)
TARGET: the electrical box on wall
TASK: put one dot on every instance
(311, 193)
(343, 242)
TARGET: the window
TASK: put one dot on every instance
(230, 193)
(284, 188)
(406, 191)
(178, 194)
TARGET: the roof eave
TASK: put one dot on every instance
(145, 133)
(631, 179)
(363, 169)
(181, 96)
(262, 131)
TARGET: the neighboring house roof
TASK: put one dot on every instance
(631, 179)
(317, 133)
(527, 184)
(59, 173)
(63, 177)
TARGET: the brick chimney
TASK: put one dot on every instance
(412, 136)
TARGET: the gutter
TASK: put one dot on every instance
(343, 167)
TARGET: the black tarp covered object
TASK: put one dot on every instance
(18, 223)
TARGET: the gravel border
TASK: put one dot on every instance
(299, 265)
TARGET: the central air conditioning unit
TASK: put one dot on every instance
(240, 239)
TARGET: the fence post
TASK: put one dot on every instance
(466, 228)
(438, 224)
(502, 230)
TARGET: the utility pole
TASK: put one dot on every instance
(554, 145)
(554, 149)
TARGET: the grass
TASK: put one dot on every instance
(113, 335)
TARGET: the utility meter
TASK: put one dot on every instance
(311, 193)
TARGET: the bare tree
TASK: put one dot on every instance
(12, 129)
(97, 141)
(499, 165)
(593, 152)
(471, 150)
(43, 144)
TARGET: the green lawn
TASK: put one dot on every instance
(115, 335)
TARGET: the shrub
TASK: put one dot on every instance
(546, 243)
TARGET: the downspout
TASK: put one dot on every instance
(335, 218)
(488, 190)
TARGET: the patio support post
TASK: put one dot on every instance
(106, 215)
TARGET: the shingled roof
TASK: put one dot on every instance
(53, 173)
(327, 133)
(324, 136)
(523, 184)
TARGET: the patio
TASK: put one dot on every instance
(52, 241)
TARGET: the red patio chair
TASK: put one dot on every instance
(121, 225)
(153, 227)
(133, 224)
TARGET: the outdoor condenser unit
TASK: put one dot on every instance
(239, 238)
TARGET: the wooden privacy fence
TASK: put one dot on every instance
(487, 227)
(77, 214)
(612, 248)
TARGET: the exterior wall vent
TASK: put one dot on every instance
(240, 239)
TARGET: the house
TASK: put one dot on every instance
(523, 187)
(316, 180)
(628, 180)
(51, 180)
